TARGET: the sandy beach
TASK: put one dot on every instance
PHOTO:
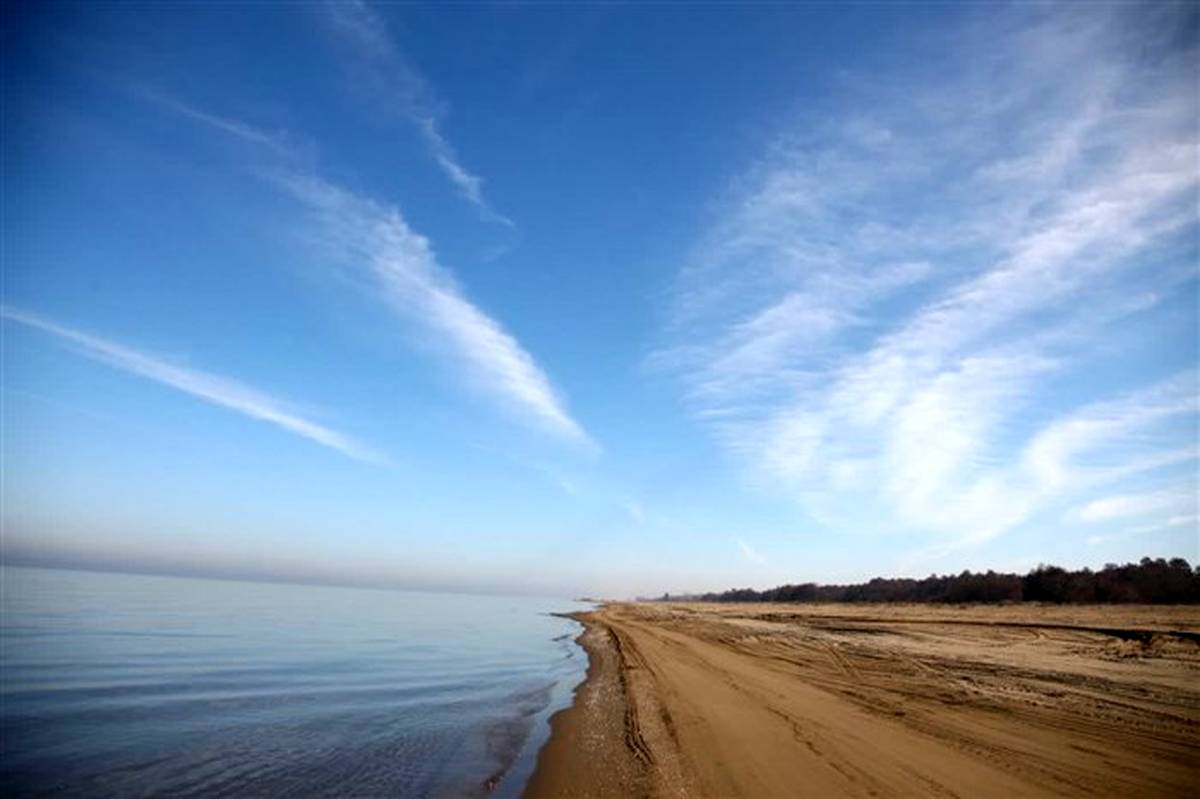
(764, 700)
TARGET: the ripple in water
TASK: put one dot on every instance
(131, 685)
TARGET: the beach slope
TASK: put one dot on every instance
(763, 700)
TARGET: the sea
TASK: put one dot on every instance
(132, 685)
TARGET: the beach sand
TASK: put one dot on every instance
(766, 700)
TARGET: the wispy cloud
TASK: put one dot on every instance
(233, 127)
(402, 266)
(1100, 442)
(749, 553)
(380, 247)
(1180, 502)
(1169, 524)
(367, 34)
(211, 388)
(885, 317)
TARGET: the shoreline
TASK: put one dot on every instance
(585, 753)
(766, 700)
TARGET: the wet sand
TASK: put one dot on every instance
(765, 700)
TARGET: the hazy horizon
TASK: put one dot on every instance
(604, 300)
(388, 579)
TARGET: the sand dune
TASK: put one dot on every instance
(834, 700)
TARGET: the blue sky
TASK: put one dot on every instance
(612, 299)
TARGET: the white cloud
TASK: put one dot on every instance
(884, 318)
(381, 247)
(402, 266)
(212, 388)
(1181, 502)
(1171, 523)
(366, 31)
(750, 553)
(1107, 440)
(233, 127)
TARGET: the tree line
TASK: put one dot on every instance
(1150, 581)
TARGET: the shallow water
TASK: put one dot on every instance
(116, 684)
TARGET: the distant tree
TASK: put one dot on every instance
(1046, 584)
(1150, 580)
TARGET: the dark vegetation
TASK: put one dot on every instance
(1150, 581)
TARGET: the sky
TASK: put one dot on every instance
(599, 299)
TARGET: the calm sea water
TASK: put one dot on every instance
(128, 685)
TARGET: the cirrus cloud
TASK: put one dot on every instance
(895, 314)
(207, 386)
